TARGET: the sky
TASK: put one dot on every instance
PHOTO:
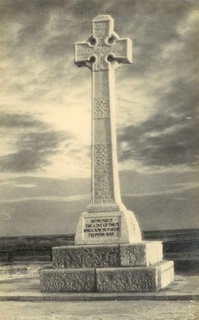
(45, 112)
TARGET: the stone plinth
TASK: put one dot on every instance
(141, 254)
(107, 268)
(86, 256)
(120, 279)
(67, 280)
(113, 255)
(137, 279)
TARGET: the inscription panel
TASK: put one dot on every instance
(100, 227)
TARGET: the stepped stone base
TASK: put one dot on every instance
(107, 268)
(122, 279)
(101, 256)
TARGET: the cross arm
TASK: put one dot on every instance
(83, 52)
(122, 50)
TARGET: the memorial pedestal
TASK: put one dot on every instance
(108, 227)
(107, 268)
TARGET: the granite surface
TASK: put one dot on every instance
(135, 279)
(120, 279)
(113, 255)
(86, 256)
(141, 254)
(70, 280)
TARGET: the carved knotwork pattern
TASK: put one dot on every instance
(102, 155)
(101, 29)
(103, 179)
(101, 109)
(103, 48)
(101, 53)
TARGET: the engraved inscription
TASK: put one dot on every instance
(101, 109)
(102, 227)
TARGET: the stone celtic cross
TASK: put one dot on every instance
(103, 52)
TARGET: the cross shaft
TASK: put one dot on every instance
(102, 53)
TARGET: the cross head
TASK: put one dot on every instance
(103, 49)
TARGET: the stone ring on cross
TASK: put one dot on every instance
(104, 49)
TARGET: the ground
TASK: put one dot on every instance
(101, 310)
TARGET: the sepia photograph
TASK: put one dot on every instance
(99, 159)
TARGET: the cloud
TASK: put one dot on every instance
(24, 186)
(162, 140)
(166, 61)
(175, 189)
(39, 74)
(15, 184)
(15, 120)
(35, 143)
(33, 151)
(38, 33)
(51, 198)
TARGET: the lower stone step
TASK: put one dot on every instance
(136, 279)
(121, 279)
(67, 280)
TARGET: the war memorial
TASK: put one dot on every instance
(109, 254)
